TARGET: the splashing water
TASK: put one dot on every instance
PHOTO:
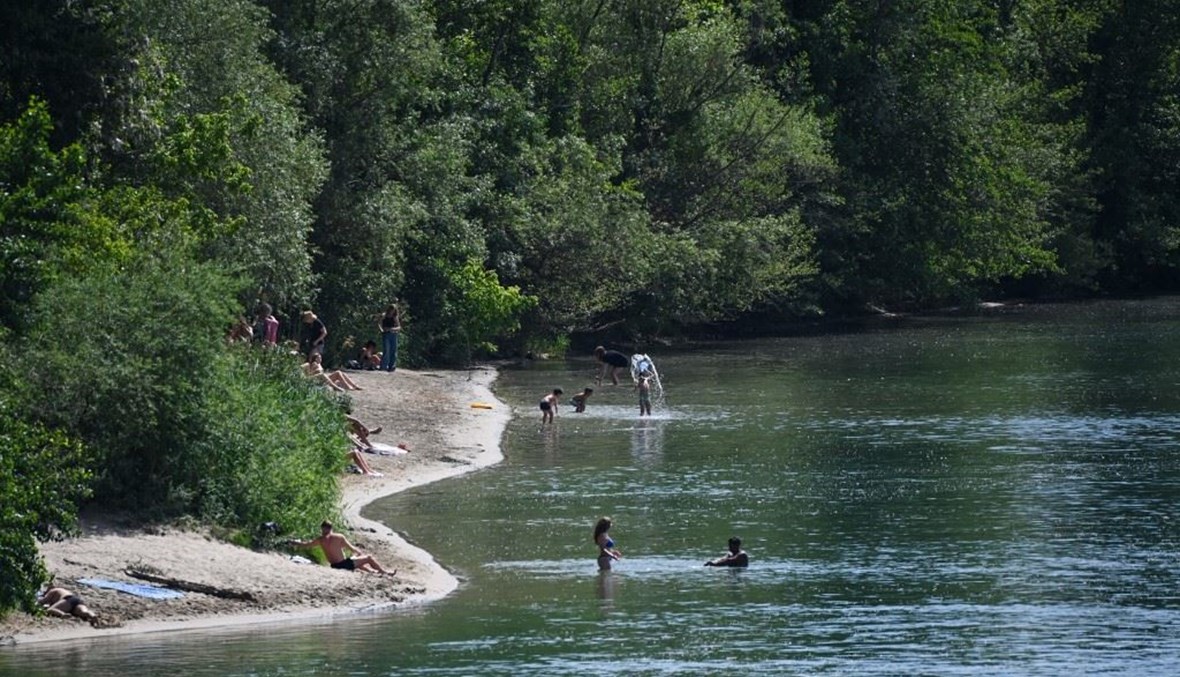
(642, 365)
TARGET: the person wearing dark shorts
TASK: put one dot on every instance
(612, 361)
(549, 405)
(64, 603)
(334, 545)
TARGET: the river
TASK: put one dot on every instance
(941, 495)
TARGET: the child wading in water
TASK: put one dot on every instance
(579, 400)
(549, 406)
(644, 388)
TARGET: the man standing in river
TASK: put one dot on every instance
(334, 545)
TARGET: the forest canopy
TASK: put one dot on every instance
(645, 165)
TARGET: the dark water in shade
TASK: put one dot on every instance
(981, 496)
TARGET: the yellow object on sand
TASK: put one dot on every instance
(480, 405)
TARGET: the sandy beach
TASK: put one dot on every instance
(429, 412)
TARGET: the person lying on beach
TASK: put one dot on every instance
(336, 380)
(63, 603)
(736, 557)
(334, 545)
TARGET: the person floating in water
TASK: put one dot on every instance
(612, 361)
(579, 400)
(736, 557)
(607, 552)
(549, 405)
(644, 388)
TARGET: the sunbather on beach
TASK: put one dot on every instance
(336, 380)
(63, 603)
(334, 545)
(358, 459)
(361, 431)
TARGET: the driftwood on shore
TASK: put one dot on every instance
(188, 586)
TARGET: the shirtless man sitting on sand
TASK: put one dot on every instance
(334, 545)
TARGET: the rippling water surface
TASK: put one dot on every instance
(939, 496)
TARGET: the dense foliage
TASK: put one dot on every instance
(42, 476)
(517, 172)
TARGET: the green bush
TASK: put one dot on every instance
(274, 447)
(134, 363)
(43, 474)
(124, 360)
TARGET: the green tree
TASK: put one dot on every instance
(202, 114)
(1132, 96)
(478, 310)
(572, 237)
(272, 447)
(43, 476)
(367, 70)
(948, 182)
(122, 358)
(53, 225)
(726, 167)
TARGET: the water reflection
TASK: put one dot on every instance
(647, 441)
(606, 591)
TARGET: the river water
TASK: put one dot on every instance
(960, 495)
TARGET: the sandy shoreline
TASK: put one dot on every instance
(429, 411)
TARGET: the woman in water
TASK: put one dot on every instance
(612, 361)
(607, 552)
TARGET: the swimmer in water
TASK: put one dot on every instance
(736, 557)
(607, 552)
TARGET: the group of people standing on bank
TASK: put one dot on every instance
(313, 335)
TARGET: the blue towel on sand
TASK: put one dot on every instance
(137, 589)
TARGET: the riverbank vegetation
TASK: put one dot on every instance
(517, 172)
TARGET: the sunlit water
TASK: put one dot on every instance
(940, 496)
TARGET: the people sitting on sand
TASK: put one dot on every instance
(240, 332)
(266, 325)
(334, 545)
(370, 357)
(358, 459)
(736, 557)
(63, 603)
(579, 400)
(360, 430)
(612, 361)
(336, 380)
